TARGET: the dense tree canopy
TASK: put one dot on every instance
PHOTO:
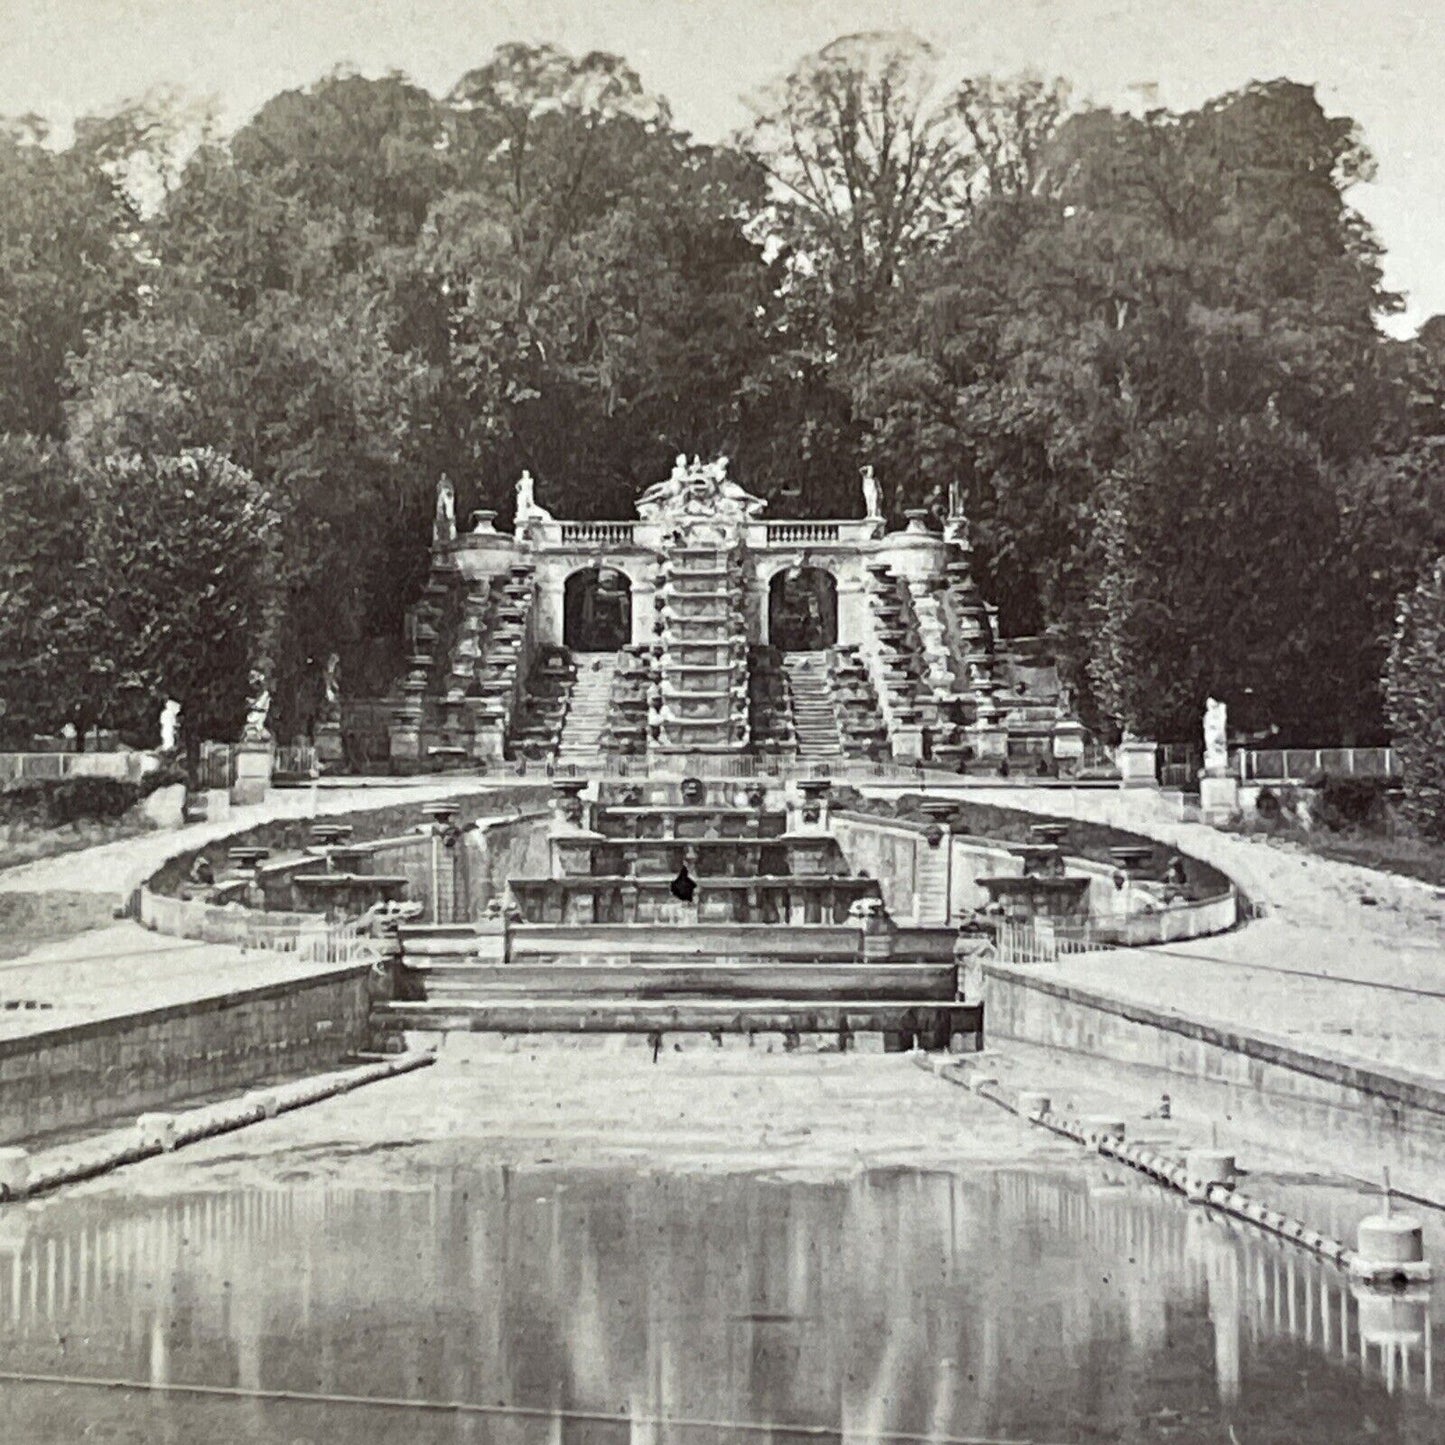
(1145, 347)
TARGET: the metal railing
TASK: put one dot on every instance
(43, 767)
(1017, 942)
(306, 937)
(1298, 765)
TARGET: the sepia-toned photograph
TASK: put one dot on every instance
(722, 721)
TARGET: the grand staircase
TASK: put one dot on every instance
(814, 718)
(581, 741)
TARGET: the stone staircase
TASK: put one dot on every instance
(814, 719)
(581, 741)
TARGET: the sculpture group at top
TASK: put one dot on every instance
(698, 489)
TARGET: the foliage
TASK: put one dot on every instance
(59, 802)
(58, 646)
(68, 260)
(1415, 693)
(186, 561)
(1143, 350)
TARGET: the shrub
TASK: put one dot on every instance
(1415, 694)
(58, 802)
(1353, 803)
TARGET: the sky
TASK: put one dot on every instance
(1380, 61)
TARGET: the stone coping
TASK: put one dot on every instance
(80, 1030)
(1401, 1086)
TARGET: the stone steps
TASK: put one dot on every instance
(928, 1022)
(814, 720)
(471, 981)
(581, 740)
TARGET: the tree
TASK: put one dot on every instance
(69, 260)
(185, 552)
(1415, 689)
(57, 642)
(1216, 544)
(867, 167)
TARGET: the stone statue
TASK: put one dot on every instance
(257, 711)
(170, 725)
(698, 489)
(872, 500)
(444, 524)
(1216, 740)
(527, 509)
(331, 685)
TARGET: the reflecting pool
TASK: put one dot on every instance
(505, 1304)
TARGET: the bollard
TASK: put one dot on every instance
(1032, 1104)
(264, 1100)
(1203, 1167)
(1390, 1247)
(1103, 1126)
(157, 1131)
(14, 1172)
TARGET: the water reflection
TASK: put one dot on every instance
(1021, 1303)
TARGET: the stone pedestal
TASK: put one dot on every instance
(908, 741)
(406, 736)
(1068, 745)
(253, 773)
(329, 750)
(990, 742)
(1136, 759)
(1218, 798)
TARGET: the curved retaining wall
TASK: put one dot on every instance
(941, 887)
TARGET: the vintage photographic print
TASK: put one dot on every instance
(722, 721)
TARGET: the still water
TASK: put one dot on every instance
(1030, 1303)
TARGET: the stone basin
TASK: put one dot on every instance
(1029, 897)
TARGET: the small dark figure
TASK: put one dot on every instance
(684, 886)
(201, 871)
(1174, 872)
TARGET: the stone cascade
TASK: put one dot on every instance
(701, 701)
(431, 626)
(856, 711)
(539, 725)
(893, 651)
(776, 933)
(466, 683)
(773, 704)
(634, 681)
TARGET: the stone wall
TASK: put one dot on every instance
(103, 1069)
(1260, 1082)
(514, 848)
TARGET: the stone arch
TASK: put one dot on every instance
(597, 609)
(803, 609)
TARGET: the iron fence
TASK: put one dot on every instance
(1299, 765)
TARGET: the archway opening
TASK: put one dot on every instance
(597, 610)
(803, 610)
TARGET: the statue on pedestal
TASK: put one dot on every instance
(1216, 739)
(331, 687)
(170, 725)
(527, 509)
(257, 712)
(444, 523)
(872, 498)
